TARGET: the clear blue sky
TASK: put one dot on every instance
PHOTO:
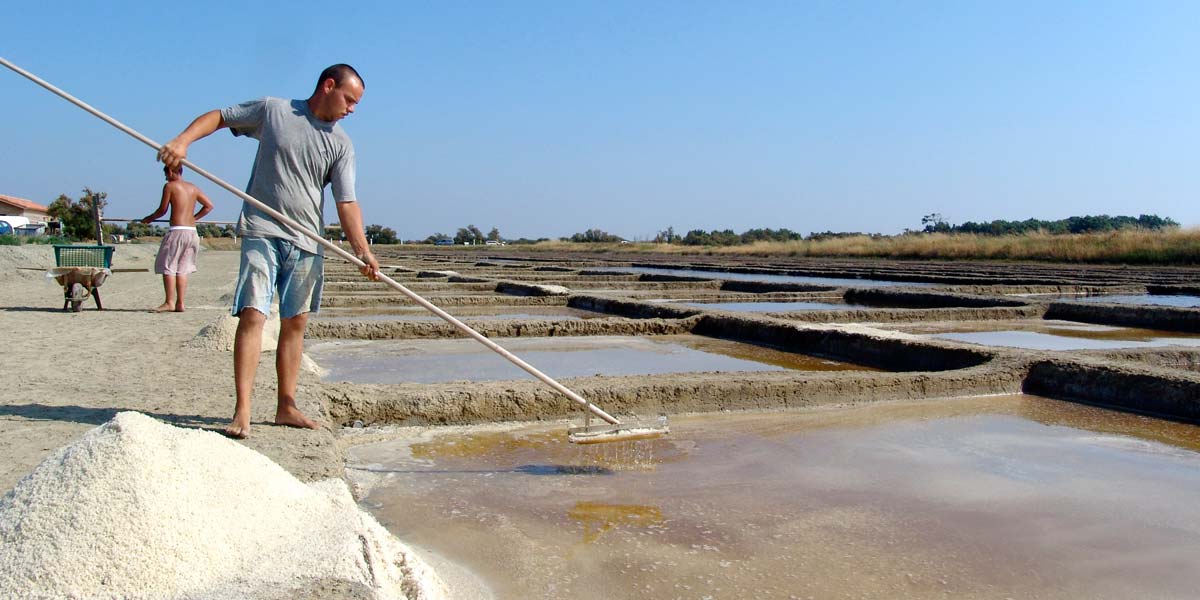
(550, 118)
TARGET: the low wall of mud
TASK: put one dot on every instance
(631, 308)
(518, 288)
(398, 330)
(760, 287)
(1187, 359)
(1161, 392)
(400, 300)
(910, 299)
(1166, 318)
(893, 353)
(677, 393)
(1174, 290)
(1047, 290)
(677, 278)
(903, 315)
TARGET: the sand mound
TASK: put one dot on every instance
(219, 334)
(140, 509)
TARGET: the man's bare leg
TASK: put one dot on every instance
(180, 289)
(287, 368)
(169, 289)
(247, 349)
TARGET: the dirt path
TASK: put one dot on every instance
(64, 373)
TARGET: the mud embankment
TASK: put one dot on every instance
(1187, 359)
(441, 300)
(677, 393)
(904, 315)
(911, 299)
(890, 352)
(631, 308)
(1165, 318)
(400, 330)
(1173, 290)
(1161, 392)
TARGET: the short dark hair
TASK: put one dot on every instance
(167, 169)
(339, 73)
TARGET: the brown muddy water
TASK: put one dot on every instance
(1000, 497)
(439, 361)
(420, 314)
(1060, 335)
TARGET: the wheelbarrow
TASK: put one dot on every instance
(78, 283)
(81, 270)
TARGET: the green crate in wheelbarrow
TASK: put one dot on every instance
(81, 271)
(83, 256)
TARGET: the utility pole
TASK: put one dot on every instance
(96, 218)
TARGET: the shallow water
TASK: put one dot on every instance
(832, 281)
(1063, 335)
(1158, 300)
(775, 306)
(434, 361)
(997, 497)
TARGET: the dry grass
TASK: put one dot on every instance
(1131, 246)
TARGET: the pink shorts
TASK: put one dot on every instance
(177, 252)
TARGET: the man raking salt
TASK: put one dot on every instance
(301, 149)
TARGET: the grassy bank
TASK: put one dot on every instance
(1169, 247)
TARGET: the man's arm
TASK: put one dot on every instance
(350, 215)
(162, 206)
(173, 152)
(206, 205)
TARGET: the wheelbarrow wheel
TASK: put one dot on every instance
(76, 295)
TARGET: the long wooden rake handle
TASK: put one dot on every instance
(479, 337)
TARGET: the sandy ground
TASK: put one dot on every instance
(65, 373)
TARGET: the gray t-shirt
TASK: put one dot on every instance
(298, 155)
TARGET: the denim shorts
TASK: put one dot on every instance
(273, 266)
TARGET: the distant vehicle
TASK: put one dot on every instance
(495, 243)
(444, 242)
(12, 222)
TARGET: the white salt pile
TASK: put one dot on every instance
(140, 509)
(219, 334)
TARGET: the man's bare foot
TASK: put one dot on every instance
(239, 428)
(179, 308)
(164, 307)
(237, 432)
(292, 417)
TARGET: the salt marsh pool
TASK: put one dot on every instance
(434, 361)
(1000, 497)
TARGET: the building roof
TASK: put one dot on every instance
(23, 204)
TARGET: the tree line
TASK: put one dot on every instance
(77, 223)
(934, 223)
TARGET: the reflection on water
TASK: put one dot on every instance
(1060, 335)
(598, 518)
(432, 361)
(1011, 496)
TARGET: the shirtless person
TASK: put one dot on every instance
(177, 252)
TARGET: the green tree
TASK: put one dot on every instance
(76, 217)
(494, 234)
(378, 234)
(595, 236)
